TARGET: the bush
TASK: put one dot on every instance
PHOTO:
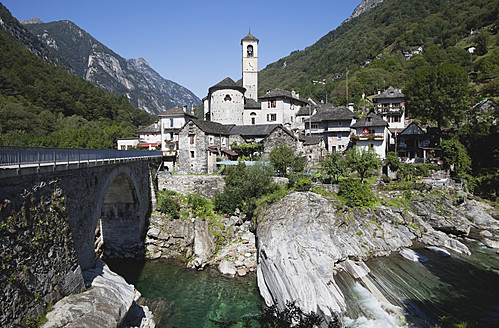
(168, 204)
(201, 207)
(356, 193)
(303, 184)
(392, 160)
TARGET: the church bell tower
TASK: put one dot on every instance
(250, 66)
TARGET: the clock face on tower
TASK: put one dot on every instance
(250, 66)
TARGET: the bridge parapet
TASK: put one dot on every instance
(16, 161)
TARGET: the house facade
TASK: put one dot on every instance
(171, 121)
(333, 123)
(390, 106)
(371, 133)
(281, 106)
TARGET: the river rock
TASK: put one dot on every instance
(438, 250)
(227, 268)
(491, 243)
(104, 304)
(203, 243)
(412, 255)
(477, 212)
(301, 238)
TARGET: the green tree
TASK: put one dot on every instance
(439, 94)
(334, 165)
(392, 160)
(366, 163)
(282, 157)
(299, 163)
(454, 154)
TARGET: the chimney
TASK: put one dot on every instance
(350, 107)
(185, 108)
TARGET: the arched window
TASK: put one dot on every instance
(227, 98)
(249, 50)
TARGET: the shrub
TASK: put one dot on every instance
(303, 184)
(201, 207)
(168, 204)
(356, 193)
(392, 160)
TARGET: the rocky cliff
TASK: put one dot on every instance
(96, 63)
(322, 238)
(363, 7)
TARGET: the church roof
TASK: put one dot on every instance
(370, 120)
(327, 112)
(389, 93)
(227, 83)
(250, 103)
(249, 37)
(279, 93)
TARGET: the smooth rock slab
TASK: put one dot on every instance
(412, 255)
(104, 304)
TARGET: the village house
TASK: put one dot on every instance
(148, 137)
(283, 106)
(333, 123)
(371, 132)
(171, 121)
(413, 143)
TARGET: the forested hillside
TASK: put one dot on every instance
(375, 48)
(44, 105)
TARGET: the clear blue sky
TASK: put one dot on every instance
(195, 43)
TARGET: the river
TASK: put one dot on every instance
(396, 293)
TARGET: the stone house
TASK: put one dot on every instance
(391, 106)
(313, 148)
(371, 132)
(171, 121)
(200, 143)
(333, 124)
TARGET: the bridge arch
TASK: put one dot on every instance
(120, 214)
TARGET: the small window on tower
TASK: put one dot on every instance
(227, 98)
(250, 50)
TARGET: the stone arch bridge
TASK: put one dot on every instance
(112, 190)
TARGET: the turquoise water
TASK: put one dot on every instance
(181, 297)
(461, 288)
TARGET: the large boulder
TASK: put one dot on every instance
(302, 238)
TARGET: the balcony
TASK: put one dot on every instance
(367, 137)
(391, 109)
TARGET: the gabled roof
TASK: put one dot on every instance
(212, 127)
(249, 37)
(250, 103)
(279, 93)
(261, 130)
(327, 112)
(369, 121)
(227, 83)
(153, 128)
(175, 111)
(312, 140)
(389, 93)
(412, 129)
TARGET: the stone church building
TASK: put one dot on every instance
(230, 103)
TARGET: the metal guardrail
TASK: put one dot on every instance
(10, 155)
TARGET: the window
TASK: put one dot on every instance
(272, 103)
(291, 118)
(315, 126)
(171, 122)
(253, 122)
(227, 98)
(171, 135)
(191, 136)
(211, 139)
(340, 124)
(271, 117)
(249, 50)
(123, 147)
(192, 153)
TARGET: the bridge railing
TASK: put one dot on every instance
(10, 155)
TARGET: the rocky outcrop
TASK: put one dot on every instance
(304, 239)
(105, 304)
(192, 241)
(364, 6)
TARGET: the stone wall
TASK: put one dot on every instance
(204, 185)
(276, 138)
(48, 228)
(39, 262)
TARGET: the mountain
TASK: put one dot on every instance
(379, 43)
(96, 63)
(42, 104)
(12, 27)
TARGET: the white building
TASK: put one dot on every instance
(371, 132)
(281, 106)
